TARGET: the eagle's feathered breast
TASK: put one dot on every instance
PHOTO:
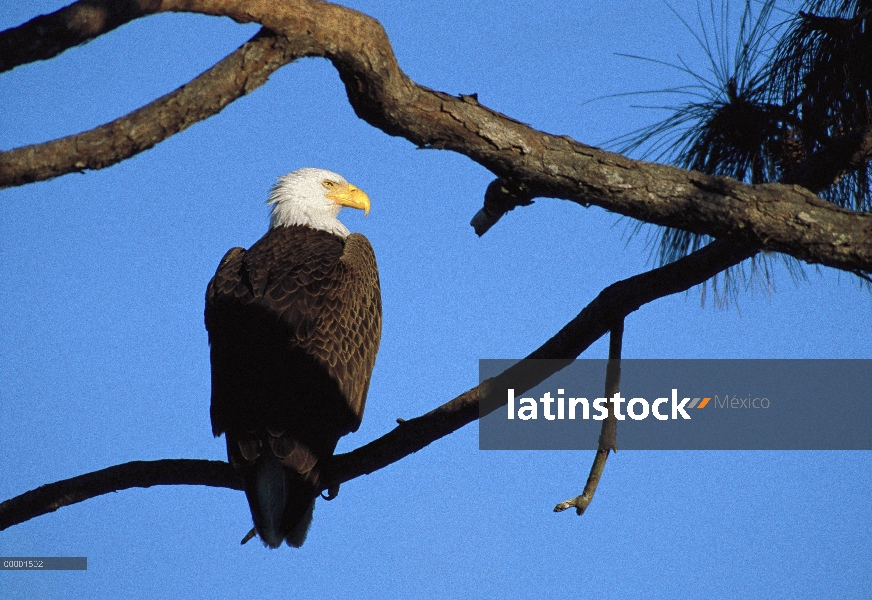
(294, 325)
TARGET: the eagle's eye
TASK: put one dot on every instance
(328, 184)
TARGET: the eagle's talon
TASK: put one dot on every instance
(332, 492)
(248, 536)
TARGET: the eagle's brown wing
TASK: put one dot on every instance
(294, 325)
(296, 291)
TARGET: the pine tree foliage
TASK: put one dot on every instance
(788, 87)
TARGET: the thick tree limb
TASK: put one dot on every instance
(47, 36)
(607, 309)
(48, 498)
(244, 70)
(783, 218)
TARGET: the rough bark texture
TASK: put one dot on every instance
(528, 163)
(244, 70)
(47, 36)
(785, 218)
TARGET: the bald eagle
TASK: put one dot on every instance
(294, 325)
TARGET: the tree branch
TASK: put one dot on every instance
(48, 498)
(46, 36)
(608, 433)
(607, 309)
(500, 197)
(242, 71)
(778, 217)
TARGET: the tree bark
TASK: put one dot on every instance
(783, 218)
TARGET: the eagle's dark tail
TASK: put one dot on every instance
(277, 476)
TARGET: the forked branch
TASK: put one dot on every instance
(784, 218)
(610, 306)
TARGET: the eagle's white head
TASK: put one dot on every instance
(314, 197)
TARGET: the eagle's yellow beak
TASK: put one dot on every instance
(351, 196)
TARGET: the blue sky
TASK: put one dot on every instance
(105, 358)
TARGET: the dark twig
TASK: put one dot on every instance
(50, 497)
(608, 435)
(500, 197)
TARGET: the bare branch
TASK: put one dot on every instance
(783, 218)
(244, 70)
(602, 314)
(608, 433)
(500, 197)
(47, 36)
(611, 305)
(48, 498)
